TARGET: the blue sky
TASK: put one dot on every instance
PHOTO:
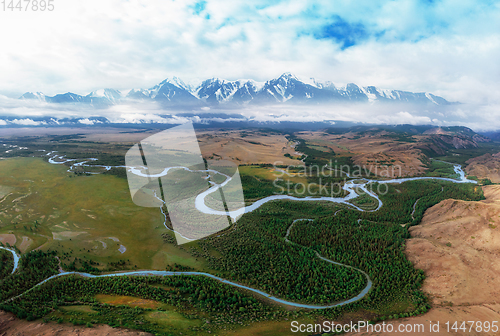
(450, 48)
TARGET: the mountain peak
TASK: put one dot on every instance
(108, 93)
(288, 75)
(213, 80)
(177, 82)
(287, 88)
(33, 95)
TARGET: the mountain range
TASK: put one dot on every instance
(286, 89)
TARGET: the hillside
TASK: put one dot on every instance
(457, 247)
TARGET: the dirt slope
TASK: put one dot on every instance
(10, 325)
(458, 246)
(485, 166)
(468, 271)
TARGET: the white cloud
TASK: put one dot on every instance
(404, 117)
(445, 47)
(86, 121)
(26, 122)
(477, 117)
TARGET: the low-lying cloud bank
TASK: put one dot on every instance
(36, 113)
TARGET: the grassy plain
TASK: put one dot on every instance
(84, 217)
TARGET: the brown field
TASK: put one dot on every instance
(253, 147)
(130, 301)
(485, 166)
(8, 238)
(372, 151)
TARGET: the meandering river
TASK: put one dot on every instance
(349, 187)
(14, 255)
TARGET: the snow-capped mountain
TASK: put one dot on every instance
(138, 94)
(109, 94)
(173, 91)
(215, 90)
(33, 95)
(99, 98)
(67, 97)
(286, 89)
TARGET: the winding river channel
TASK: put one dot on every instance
(349, 187)
(14, 255)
